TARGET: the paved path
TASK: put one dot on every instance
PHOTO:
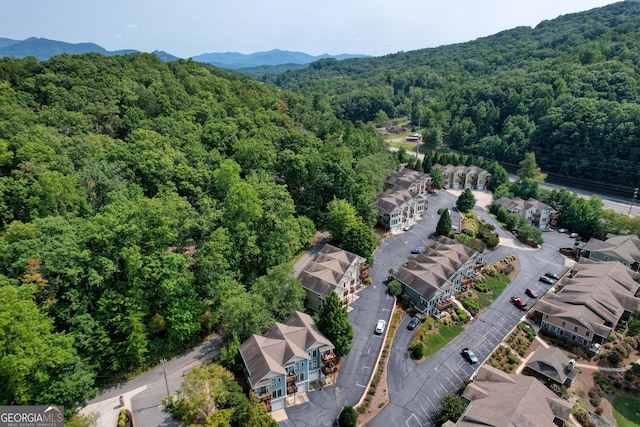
(143, 394)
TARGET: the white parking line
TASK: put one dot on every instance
(415, 423)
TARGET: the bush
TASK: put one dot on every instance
(417, 351)
(615, 357)
(348, 417)
(462, 315)
(481, 287)
(472, 305)
(395, 288)
(582, 416)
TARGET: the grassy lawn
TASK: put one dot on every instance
(496, 285)
(435, 342)
(626, 411)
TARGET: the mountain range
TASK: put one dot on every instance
(43, 49)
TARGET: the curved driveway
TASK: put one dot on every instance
(415, 389)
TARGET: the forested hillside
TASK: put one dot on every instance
(145, 204)
(567, 90)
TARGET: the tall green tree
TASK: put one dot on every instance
(444, 224)
(452, 407)
(529, 168)
(282, 292)
(333, 322)
(244, 315)
(341, 217)
(466, 201)
(438, 178)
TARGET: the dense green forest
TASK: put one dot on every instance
(567, 90)
(145, 204)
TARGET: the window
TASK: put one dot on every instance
(563, 324)
(575, 329)
(587, 334)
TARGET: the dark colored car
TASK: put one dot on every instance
(553, 276)
(413, 323)
(531, 293)
(469, 355)
(416, 250)
(547, 280)
(519, 302)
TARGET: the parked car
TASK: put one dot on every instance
(519, 302)
(573, 235)
(553, 276)
(380, 326)
(413, 323)
(532, 293)
(454, 227)
(469, 355)
(408, 227)
(562, 230)
(547, 280)
(416, 250)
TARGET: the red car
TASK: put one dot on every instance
(531, 293)
(519, 302)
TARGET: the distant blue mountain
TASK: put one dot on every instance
(235, 60)
(43, 49)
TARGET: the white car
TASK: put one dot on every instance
(380, 326)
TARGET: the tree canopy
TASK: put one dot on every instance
(149, 204)
(333, 322)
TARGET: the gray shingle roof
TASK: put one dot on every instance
(428, 272)
(324, 273)
(505, 400)
(622, 247)
(598, 293)
(390, 199)
(552, 363)
(283, 344)
(405, 178)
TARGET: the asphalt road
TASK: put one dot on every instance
(415, 389)
(143, 394)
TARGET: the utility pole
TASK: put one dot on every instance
(166, 384)
(635, 195)
(418, 141)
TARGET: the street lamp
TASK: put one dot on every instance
(635, 194)
(166, 384)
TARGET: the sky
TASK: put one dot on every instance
(188, 28)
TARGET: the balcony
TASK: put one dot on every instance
(292, 389)
(328, 357)
(266, 397)
(292, 378)
(444, 304)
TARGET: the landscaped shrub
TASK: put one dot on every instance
(462, 315)
(418, 350)
(582, 416)
(615, 357)
(471, 305)
(481, 287)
